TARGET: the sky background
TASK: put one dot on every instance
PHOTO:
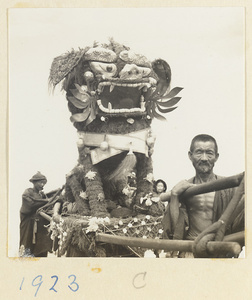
(204, 48)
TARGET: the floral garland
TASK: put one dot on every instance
(81, 231)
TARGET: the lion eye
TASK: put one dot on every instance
(106, 69)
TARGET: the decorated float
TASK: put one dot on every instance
(109, 209)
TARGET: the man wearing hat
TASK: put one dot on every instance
(34, 236)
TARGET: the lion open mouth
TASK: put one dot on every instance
(122, 98)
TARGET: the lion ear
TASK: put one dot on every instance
(163, 71)
(62, 65)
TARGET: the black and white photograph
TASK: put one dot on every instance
(126, 138)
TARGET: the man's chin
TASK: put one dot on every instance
(204, 169)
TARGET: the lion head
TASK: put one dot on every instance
(110, 80)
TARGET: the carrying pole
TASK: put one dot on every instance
(219, 184)
(169, 245)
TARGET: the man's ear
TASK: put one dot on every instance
(217, 156)
(190, 155)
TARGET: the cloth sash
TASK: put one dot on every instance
(117, 143)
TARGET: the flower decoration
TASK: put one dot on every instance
(91, 175)
(94, 222)
(155, 199)
(124, 230)
(126, 191)
(83, 195)
(149, 199)
(149, 254)
(149, 177)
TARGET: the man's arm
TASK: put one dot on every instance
(177, 190)
(56, 209)
(31, 202)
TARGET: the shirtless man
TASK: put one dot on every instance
(187, 218)
(203, 154)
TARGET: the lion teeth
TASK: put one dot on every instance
(111, 88)
(123, 110)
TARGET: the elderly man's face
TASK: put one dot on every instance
(203, 156)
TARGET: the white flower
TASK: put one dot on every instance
(155, 199)
(160, 231)
(137, 231)
(120, 222)
(135, 220)
(129, 225)
(107, 220)
(143, 223)
(148, 228)
(65, 233)
(92, 228)
(149, 254)
(124, 230)
(144, 237)
(155, 223)
(126, 191)
(147, 217)
(116, 226)
(149, 177)
(148, 202)
(90, 175)
(83, 195)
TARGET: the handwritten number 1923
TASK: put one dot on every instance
(37, 282)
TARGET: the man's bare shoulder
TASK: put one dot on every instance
(192, 179)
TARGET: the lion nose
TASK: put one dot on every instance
(131, 72)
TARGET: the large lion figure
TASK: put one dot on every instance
(113, 94)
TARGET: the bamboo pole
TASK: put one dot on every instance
(169, 245)
(219, 184)
(46, 216)
(238, 237)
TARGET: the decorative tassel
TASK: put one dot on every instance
(125, 167)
